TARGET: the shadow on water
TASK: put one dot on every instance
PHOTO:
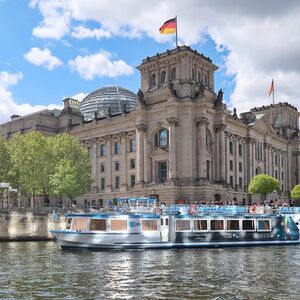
(42, 270)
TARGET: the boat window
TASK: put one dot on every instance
(233, 224)
(98, 224)
(149, 225)
(183, 225)
(217, 225)
(118, 225)
(68, 225)
(80, 223)
(161, 221)
(248, 225)
(167, 222)
(200, 225)
(263, 225)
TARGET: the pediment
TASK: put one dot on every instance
(159, 151)
(264, 125)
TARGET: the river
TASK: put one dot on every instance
(40, 270)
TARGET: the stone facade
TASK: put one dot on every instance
(181, 142)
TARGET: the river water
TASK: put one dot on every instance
(40, 270)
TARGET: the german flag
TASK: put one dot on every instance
(168, 27)
(271, 88)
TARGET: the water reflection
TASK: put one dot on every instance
(42, 270)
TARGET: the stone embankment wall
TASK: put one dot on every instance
(28, 226)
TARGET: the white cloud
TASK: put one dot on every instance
(81, 32)
(262, 37)
(8, 105)
(80, 96)
(98, 65)
(43, 58)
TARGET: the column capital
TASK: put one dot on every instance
(141, 127)
(201, 121)
(220, 127)
(172, 121)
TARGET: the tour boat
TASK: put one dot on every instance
(138, 223)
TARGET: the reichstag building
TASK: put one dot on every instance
(175, 138)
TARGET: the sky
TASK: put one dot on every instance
(52, 49)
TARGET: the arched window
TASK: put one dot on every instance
(173, 74)
(153, 80)
(162, 138)
(257, 171)
(276, 120)
(163, 77)
(193, 74)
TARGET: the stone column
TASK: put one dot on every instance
(108, 166)
(140, 128)
(222, 162)
(123, 162)
(297, 167)
(173, 122)
(94, 167)
(202, 123)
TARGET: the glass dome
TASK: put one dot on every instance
(107, 101)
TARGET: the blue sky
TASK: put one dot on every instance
(54, 49)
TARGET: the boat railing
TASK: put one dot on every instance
(227, 209)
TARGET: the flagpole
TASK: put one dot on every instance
(273, 92)
(176, 33)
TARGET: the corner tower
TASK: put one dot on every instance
(181, 71)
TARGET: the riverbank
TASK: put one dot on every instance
(28, 226)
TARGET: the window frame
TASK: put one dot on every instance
(118, 231)
(197, 230)
(233, 230)
(142, 226)
(176, 220)
(264, 230)
(248, 230)
(218, 230)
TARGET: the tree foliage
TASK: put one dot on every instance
(295, 192)
(48, 166)
(263, 184)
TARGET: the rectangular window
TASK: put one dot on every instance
(98, 224)
(282, 161)
(132, 164)
(102, 150)
(102, 167)
(117, 182)
(102, 184)
(208, 170)
(162, 171)
(69, 221)
(200, 225)
(282, 176)
(216, 225)
(240, 182)
(132, 180)
(230, 165)
(183, 225)
(276, 174)
(231, 181)
(240, 167)
(240, 150)
(80, 223)
(263, 225)
(117, 148)
(231, 147)
(149, 225)
(90, 151)
(248, 225)
(132, 145)
(276, 159)
(117, 165)
(118, 225)
(233, 225)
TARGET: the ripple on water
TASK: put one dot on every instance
(42, 271)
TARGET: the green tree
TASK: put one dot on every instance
(263, 184)
(295, 192)
(4, 165)
(72, 173)
(31, 163)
